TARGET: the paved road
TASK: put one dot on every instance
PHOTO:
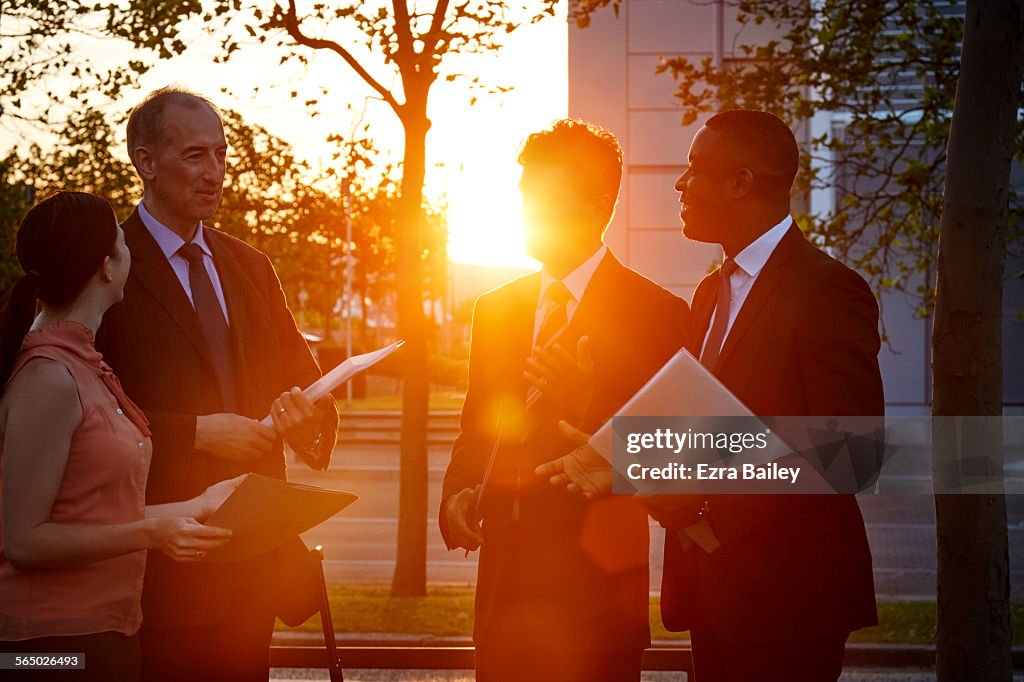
(464, 676)
(360, 542)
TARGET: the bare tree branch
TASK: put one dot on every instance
(291, 25)
(436, 23)
(403, 32)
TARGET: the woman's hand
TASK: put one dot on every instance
(214, 496)
(184, 539)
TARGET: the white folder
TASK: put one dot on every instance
(683, 388)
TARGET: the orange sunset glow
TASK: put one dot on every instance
(471, 148)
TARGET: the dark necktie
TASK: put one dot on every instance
(713, 346)
(212, 322)
(556, 316)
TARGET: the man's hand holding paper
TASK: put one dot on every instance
(322, 387)
(297, 419)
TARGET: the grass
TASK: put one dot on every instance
(445, 400)
(447, 611)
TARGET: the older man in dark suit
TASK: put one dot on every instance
(205, 344)
(562, 590)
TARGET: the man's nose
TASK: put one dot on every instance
(213, 169)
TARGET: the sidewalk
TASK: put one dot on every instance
(865, 653)
(278, 674)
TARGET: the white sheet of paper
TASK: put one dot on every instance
(342, 373)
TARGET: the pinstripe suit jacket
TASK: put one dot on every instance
(154, 342)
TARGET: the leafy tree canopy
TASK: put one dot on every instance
(883, 76)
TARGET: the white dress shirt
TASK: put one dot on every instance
(749, 263)
(169, 243)
(576, 282)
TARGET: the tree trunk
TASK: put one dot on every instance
(973, 628)
(410, 578)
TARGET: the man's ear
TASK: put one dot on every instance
(741, 183)
(601, 209)
(144, 162)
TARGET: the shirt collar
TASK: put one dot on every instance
(752, 259)
(167, 239)
(578, 280)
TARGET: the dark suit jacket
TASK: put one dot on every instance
(154, 343)
(789, 567)
(576, 570)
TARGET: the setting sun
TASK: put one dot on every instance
(478, 145)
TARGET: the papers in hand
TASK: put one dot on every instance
(264, 513)
(342, 373)
(681, 388)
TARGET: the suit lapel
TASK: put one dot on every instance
(704, 301)
(593, 307)
(151, 268)
(761, 292)
(240, 293)
(522, 317)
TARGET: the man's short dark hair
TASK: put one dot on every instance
(591, 154)
(146, 119)
(765, 139)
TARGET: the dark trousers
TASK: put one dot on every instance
(513, 661)
(237, 650)
(515, 651)
(108, 656)
(810, 660)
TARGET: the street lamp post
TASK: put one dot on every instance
(347, 198)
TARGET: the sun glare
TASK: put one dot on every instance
(478, 144)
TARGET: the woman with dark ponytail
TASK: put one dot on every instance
(74, 455)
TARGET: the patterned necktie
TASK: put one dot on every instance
(212, 322)
(556, 317)
(713, 346)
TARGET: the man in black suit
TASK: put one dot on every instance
(790, 332)
(205, 344)
(562, 589)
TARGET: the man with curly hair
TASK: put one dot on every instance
(562, 589)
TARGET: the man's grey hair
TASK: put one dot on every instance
(146, 119)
